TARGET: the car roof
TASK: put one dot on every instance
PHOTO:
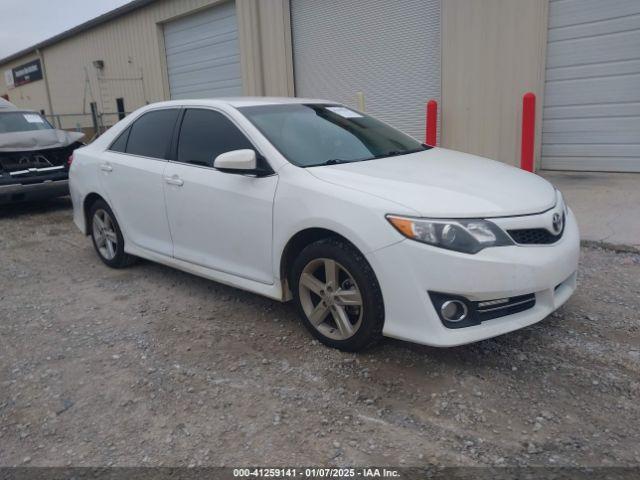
(243, 101)
(254, 101)
(6, 106)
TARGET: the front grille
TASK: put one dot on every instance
(534, 236)
(39, 159)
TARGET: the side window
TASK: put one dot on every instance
(150, 134)
(205, 134)
(120, 144)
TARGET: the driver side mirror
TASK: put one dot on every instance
(240, 162)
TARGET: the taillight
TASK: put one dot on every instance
(70, 160)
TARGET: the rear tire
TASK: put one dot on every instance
(107, 236)
(337, 295)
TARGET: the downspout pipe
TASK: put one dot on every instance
(46, 83)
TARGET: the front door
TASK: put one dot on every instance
(218, 220)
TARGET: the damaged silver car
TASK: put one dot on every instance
(34, 156)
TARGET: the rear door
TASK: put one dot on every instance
(218, 220)
(132, 176)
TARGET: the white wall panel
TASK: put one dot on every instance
(390, 51)
(492, 53)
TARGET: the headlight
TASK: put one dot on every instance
(468, 236)
(560, 200)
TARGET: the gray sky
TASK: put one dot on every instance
(27, 22)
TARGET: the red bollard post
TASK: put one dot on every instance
(528, 131)
(431, 133)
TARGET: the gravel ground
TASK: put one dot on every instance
(151, 366)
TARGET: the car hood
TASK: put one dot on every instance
(37, 140)
(442, 183)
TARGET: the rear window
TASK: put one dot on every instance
(12, 122)
(150, 135)
(120, 145)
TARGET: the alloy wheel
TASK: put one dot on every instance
(104, 234)
(330, 298)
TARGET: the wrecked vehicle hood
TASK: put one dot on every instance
(37, 140)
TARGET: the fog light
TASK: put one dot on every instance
(454, 311)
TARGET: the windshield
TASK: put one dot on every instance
(309, 135)
(11, 122)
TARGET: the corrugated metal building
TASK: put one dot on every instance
(477, 58)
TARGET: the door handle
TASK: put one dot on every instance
(106, 167)
(175, 180)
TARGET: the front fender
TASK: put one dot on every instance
(309, 202)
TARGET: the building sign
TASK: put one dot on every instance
(27, 73)
(8, 78)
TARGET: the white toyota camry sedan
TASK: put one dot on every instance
(370, 232)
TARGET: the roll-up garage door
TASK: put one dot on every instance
(203, 55)
(389, 50)
(591, 116)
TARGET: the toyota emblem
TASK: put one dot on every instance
(557, 223)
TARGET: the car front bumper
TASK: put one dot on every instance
(36, 191)
(408, 270)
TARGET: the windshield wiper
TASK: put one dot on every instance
(392, 153)
(331, 161)
(395, 153)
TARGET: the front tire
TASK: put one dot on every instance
(107, 236)
(337, 295)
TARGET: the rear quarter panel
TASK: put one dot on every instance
(83, 180)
